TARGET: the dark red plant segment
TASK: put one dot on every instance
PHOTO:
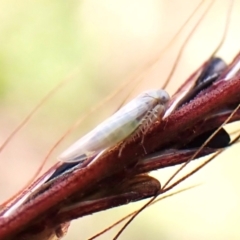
(205, 112)
(137, 188)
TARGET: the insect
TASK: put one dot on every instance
(129, 121)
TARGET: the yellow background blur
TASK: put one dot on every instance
(99, 44)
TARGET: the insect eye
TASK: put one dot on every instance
(163, 96)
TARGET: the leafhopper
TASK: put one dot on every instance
(132, 119)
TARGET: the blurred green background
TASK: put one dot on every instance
(98, 45)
